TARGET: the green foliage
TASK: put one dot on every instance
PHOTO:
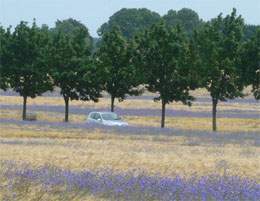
(96, 44)
(72, 68)
(130, 21)
(164, 58)
(250, 65)
(26, 65)
(3, 40)
(114, 58)
(70, 27)
(186, 18)
(219, 43)
(250, 31)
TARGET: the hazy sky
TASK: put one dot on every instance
(94, 13)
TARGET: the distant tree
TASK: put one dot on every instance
(72, 68)
(219, 43)
(164, 58)
(130, 21)
(96, 44)
(187, 18)
(114, 57)
(5, 56)
(71, 26)
(3, 41)
(26, 67)
(250, 63)
(250, 31)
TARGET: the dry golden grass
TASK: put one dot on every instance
(202, 92)
(188, 123)
(202, 124)
(42, 116)
(152, 154)
(137, 104)
(12, 131)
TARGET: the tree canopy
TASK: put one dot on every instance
(70, 27)
(250, 31)
(187, 18)
(3, 41)
(130, 21)
(250, 65)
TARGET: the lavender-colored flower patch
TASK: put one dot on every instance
(132, 186)
(139, 112)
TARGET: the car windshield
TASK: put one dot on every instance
(110, 116)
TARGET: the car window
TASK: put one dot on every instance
(110, 116)
(98, 116)
(92, 116)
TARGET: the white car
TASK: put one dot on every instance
(106, 118)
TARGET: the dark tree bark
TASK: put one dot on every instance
(214, 114)
(24, 107)
(66, 99)
(163, 114)
(112, 103)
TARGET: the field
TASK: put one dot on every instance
(52, 160)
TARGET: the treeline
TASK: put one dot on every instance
(132, 21)
(168, 55)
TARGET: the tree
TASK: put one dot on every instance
(187, 18)
(5, 57)
(72, 68)
(69, 27)
(96, 44)
(219, 43)
(130, 21)
(114, 57)
(250, 68)
(164, 58)
(25, 62)
(250, 31)
(3, 41)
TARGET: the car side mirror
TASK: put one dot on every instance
(99, 119)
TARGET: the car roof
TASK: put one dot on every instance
(103, 112)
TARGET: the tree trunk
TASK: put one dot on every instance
(214, 114)
(66, 99)
(112, 103)
(24, 107)
(163, 114)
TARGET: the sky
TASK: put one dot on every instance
(93, 13)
